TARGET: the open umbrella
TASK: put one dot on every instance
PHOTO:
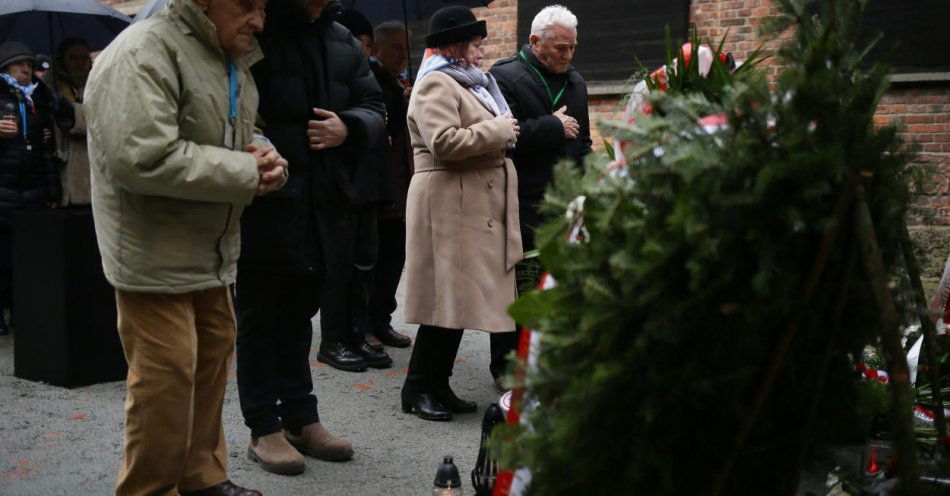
(43, 24)
(149, 9)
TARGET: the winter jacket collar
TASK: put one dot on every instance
(571, 73)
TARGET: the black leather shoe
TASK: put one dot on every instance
(389, 337)
(425, 406)
(226, 488)
(453, 403)
(374, 358)
(340, 357)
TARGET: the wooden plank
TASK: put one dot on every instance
(613, 34)
(916, 34)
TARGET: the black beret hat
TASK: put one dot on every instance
(453, 24)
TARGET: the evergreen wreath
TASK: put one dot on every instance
(703, 337)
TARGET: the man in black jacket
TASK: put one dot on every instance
(322, 109)
(391, 57)
(549, 99)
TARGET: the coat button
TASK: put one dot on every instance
(491, 183)
(491, 222)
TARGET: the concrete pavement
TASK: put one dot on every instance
(56, 441)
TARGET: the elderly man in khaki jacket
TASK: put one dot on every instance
(170, 108)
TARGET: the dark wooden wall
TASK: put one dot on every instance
(612, 34)
(916, 33)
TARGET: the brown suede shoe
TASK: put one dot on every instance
(315, 441)
(374, 342)
(274, 454)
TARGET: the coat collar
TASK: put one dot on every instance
(533, 59)
(193, 21)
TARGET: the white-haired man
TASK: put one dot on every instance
(549, 99)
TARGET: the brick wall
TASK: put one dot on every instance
(742, 21)
(502, 19)
(921, 111)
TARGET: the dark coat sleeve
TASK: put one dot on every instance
(364, 117)
(542, 133)
(584, 120)
(48, 109)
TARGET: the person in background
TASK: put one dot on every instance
(73, 63)
(388, 64)
(361, 29)
(378, 247)
(374, 188)
(324, 111)
(175, 157)
(549, 99)
(43, 65)
(463, 239)
(28, 177)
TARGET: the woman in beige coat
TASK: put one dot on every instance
(463, 237)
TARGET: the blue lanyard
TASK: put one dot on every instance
(232, 88)
(23, 116)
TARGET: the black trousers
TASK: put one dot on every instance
(502, 344)
(336, 227)
(274, 332)
(389, 265)
(528, 275)
(365, 249)
(433, 358)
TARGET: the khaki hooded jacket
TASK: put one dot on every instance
(167, 191)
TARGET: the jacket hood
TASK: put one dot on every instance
(14, 51)
(292, 14)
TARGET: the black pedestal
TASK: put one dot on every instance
(65, 315)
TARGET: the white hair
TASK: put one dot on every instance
(551, 15)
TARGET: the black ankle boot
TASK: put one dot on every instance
(453, 403)
(4, 330)
(424, 405)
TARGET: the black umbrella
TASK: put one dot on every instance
(43, 24)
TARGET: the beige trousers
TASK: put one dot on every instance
(177, 347)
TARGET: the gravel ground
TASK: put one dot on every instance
(56, 441)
